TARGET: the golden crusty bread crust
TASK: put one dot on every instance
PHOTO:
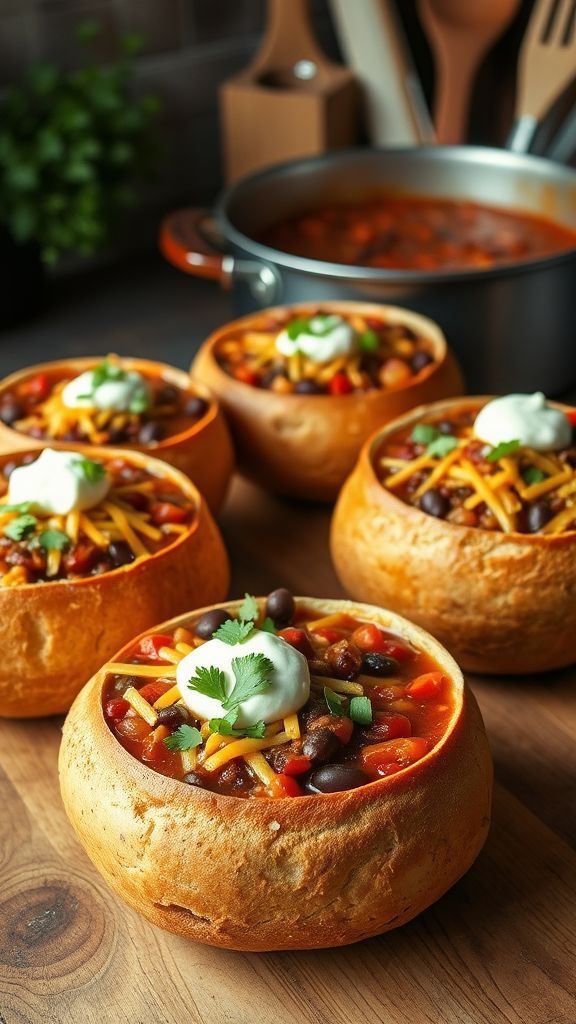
(501, 603)
(304, 446)
(57, 634)
(203, 451)
(289, 873)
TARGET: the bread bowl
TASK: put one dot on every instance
(304, 445)
(183, 424)
(263, 870)
(75, 586)
(500, 598)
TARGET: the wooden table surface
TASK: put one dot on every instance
(499, 947)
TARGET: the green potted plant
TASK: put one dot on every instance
(72, 146)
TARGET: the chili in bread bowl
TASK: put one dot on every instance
(299, 420)
(472, 532)
(278, 854)
(131, 403)
(93, 545)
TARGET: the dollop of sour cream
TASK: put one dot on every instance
(326, 338)
(524, 418)
(289, 682)
(118, 393)
(58, 483)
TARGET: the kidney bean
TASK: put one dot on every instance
(209, 622)
(191, 779)
(150, 432)
(538, 514)
(280, 605)
(308, 387)
(120, 553)
(344, 659)
(167, 395)
(334, 778)
(320, 745)
(10, 410)
(434, 503)
(195, 407)
(420, 360)
(173, 716)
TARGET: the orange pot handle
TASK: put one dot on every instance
(184, 244)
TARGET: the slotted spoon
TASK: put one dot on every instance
(546, 65)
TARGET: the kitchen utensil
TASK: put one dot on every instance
(563, 145)
(510, 326)
(546, 65)
(292, 101)
(460, 35)
(375, 48)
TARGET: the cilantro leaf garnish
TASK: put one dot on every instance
(234, 632)
(360, 710)
(106, 371)
(256, 731)
(252, 676)
(20, 527)
(209, 681)
(296, 327)
(225, 727)
(335, 702)
(248, 610)
(369, 341)
(22, 507)
(138, 404)
(90, 470)
(268, 625)
(442, 445)
(53, 540)
(533, 475)
(424, 433)
(504, 448)
(185, 737)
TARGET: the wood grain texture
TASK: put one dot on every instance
(499, 947)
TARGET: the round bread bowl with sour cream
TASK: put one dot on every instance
(502, 603)
(304, 445)
(201, 449)
(58, 632)
(286, 873)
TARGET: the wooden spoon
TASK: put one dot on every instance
(460, 34)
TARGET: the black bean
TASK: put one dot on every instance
(269, 378)
(120, 553)
(333, 778)
(374, 664)
(420, 360)
(10, 410)
(445, 427)
(537, 515)
(308, 387)
(434, 504)
(195, 407)
(192, 779)
(320, 745)
(209, 622)
(173, 716)
(167, 395)
(150, 432)
(280, 605)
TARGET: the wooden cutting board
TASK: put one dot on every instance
(499, 948)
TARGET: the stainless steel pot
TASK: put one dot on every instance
(512, 327)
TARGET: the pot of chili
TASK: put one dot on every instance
(284, 772)
(481, 240)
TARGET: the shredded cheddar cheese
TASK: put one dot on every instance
(141, 706)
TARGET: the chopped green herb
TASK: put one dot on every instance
(369, 341)
(138, 404)
(360, 710)
(224, 727)
(252, 676)
(20, 527)
(234, 632)
(322, 323)
(442, 445)
(268, 625)
(504, 448)
(90, 470)
(106, 371)
(335, 702)
(248, 610)
(533, 475)
(424, 433)
(210, 681)
(22, 507)
(185, 737)
(296, 327)
(54, 540)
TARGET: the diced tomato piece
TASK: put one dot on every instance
(393, 648)
(389, 727)
(331, 635)
(379, 757)
(80, 558)
(368, 638)
(299, 639)
(116, 708)
(297, 764)
(38, 387)
(247, 376)
(136, 500)
(571, 416)
(149, 646)
(427, 686)
(152, 691)
(284, 785)
(340, 385)
(167, 512)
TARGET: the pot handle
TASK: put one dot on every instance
(185, 241)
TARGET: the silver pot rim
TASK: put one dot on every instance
(471, 155)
